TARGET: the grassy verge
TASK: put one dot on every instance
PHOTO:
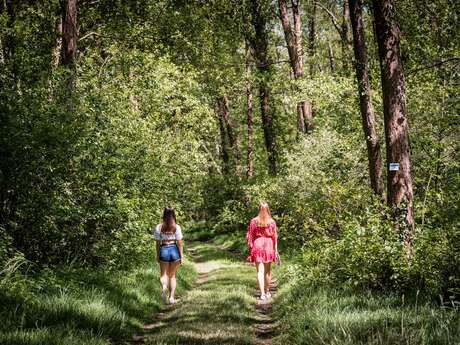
(81, 306)
(309, 314)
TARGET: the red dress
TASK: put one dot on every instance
(262, 242)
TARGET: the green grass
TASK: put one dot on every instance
(220, 310)
(314, 315)
(80, 306)
(76, 307)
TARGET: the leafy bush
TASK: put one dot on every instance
(325, 208)
(89, 171)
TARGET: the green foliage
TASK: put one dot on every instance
(437, 263)
(91, 183)
(324, 207)
(86, 167)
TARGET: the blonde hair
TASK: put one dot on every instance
(264, 217)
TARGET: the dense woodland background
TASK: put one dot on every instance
(111, 110)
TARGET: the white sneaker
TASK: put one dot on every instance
(263, 297)
(268, 294)
(164, 296)
(172, 301)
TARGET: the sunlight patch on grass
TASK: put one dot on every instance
(220, 311)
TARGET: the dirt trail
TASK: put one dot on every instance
(265, 326)
(220, 309)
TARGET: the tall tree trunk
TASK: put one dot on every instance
(250, 115)
(260, 45)
(297, 69)
(223, 138)
(330, 55)
(230, 127)
(69, 32)
(298, 62)
(294, 45)
(269, 133)
(345, 40)
(364, 91)
(399, 184)
(312, 38)
(288, 34)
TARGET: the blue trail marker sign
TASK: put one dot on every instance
(394, 166)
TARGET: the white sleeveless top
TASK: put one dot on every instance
(161, 236)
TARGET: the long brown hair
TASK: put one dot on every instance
(264, 217)
(169, 221)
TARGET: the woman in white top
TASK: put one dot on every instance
(168, 237)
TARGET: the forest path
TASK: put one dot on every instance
(220, 309)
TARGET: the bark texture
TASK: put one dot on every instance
(399, 183)
(69, 32)
(364, 90)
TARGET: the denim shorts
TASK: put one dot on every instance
(169, 253)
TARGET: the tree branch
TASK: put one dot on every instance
(434, 64)
(333, 18)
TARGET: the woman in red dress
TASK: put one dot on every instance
(262, 241)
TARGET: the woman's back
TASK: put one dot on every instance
(259, 229)
(167, 236)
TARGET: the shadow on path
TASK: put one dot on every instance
(220, 309)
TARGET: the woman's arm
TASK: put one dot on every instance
(180, 244)
(158, 250)
(275, 239)
(249, 235)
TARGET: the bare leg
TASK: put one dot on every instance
(164, 267)
(267, 276)
(172, 279)
(260, 277)
(164, 275)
